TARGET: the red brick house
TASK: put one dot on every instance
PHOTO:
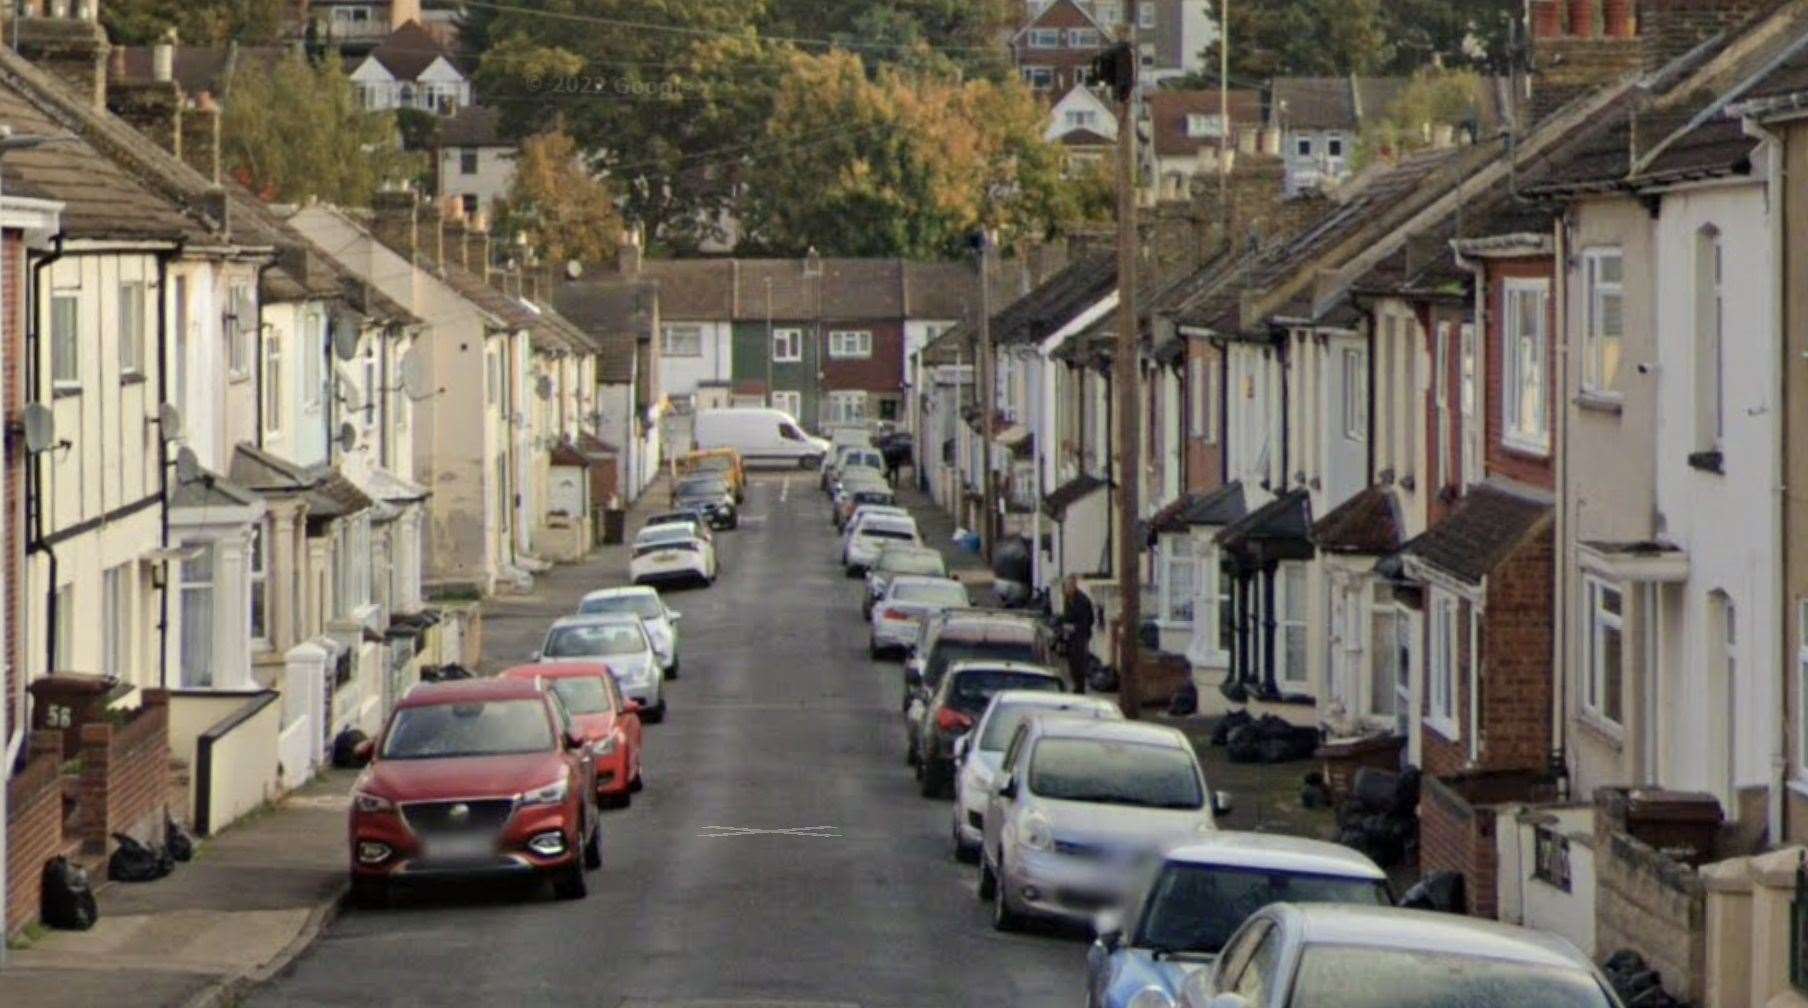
(1055, 49)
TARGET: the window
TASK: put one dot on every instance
(1387, 658)
(787, 345)
(1334, 147)
(1080, 118)
(1045, 38)
(1145, 15)
(1109, 13)
(197, 617)
(65, 341)
(1550, 856)
(1181, 569)
(847, 343)
(260, 599)
(1605, 693)
(1039, 77)
(1355, 396)
(1604, 326)
(467, 161)
(273, 386)
(1304, 147)
(131, 328)
(313, 346)
(1525, 399)
(791, 403)
(1471, 449)
(683, 341)
(1196, 394)
(888, 410)
(1293, 669)
(1083, 38)
(1199, 124)
(468, 204)
(1384, 437)
(116, 622)
(240, 319)
(847, 407)
(1444, 659)
(1710, 388)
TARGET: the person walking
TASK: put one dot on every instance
(1077, 611)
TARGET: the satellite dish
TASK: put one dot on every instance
(188, 468)
(348, 437)
(574, 269)
(415, 380)
(40, 428)
(344, 347)
(169, 419)
(543, 387)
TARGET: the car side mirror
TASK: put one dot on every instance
(363, 751)
(1222, 803)
(1008, 788)
(533, 656)
(673, 615)
(634, 708)
(1108, 929)
(574, 740)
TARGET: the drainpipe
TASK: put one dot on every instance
(163, 460)
(383, 446)
(258, 351)
(1560, 606)
(34, 320)
(1775, 203)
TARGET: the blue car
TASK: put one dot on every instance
(1200, 894)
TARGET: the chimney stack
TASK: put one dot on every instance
(1582, 18)
(71, 49)
(627, 257)
(394, 222)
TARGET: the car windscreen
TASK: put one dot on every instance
(948, 651)
(1115, 773)
(942, 593)
(660, 545)
(972, 689)
(582, 694)
(712, 486)
(1007, 717)
(590, 639)
(872, 497)
(639, 603)
(912, 562)
(1195, 908)
(866, 458)
(1360, 977)
(478, 728)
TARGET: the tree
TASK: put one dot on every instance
(565, 213)
(196, 22)
(664, 97)
(295, 130)
(964, 33)
(1321, 38)
(911, 164)
(1431, 98)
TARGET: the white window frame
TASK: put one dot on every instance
(238, 324)
(1334, 147)
(272, 390)
(1443, 664)
(1145, 15)
(131, 328)
(1045, 38)
(1598, 622)
(850, 344)
(1355, 395)
(788, 400)
(117, 625)
(840, 401)
(1083, 38)
(1710, 339)
(1179, 582)
(1469, 379)
(787, 345)
(689, 331)
(1597, 377)
(1040, 78)
(1518, 430)
(208, 677)
(1303, 146)
(313, 349)
(1289, 595)
(66, 341)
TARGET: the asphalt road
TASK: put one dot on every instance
(779, 857)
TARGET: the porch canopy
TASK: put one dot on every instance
(1367, 524)
(1278, 530)
(1058, 500)
(1473, 540)
(1650, 561)
(1219, 507)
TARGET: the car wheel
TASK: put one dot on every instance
(570, 884)
(593, 847)
(964, 852)
(370, 893)
(639, 783)
(929, 778)
(672, 673)
(988, 882)
(910, 750)
(1004, 916)
(655, 714)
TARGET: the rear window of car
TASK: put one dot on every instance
(704, 487)
(897, 532)
(660, 546)
(1196, 907)
(946, 593)
(904, 562)
(479, 728)
(972, 689)
(1007, 717)
(590, 639)
(872, 497)
(640, 604)
(948, 651)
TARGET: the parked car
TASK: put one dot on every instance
(723, 462)
(693, 518)
(1329, 956)
(850, 478)
(1082, 806)
(844, 455)
(620, 641)
(873, 534)
(896, 559)
(759, 435)
(661, 621)
(862, 496)
(978, 754)
(673, 552)
(954, 634)
(957, 703)
(864, 512)
(478, 777)
(609, 721)
(1201, 893)
(895, 619)
(710, 495)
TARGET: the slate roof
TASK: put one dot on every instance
(616, 315)
(1222, 506)
(196, 68)
(1083, 137)
(1332, 103)
(693, 290)
(940, 290)
(1057, 300)
(472, 126)
(409, 50)
(1278, 530)
(1366, 523)
(209, 490)
(266, 473)
(1056, 502)
(335, 496)
(1489, 523)
(1168, 111)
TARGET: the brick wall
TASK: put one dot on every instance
(1649, 903)
(125, 776)
(34, 828)
(1525, 467)
(1670, 28)
(1516, 685)
(880, 371)
(12, 500)
(1441, 756)
(1456, 836)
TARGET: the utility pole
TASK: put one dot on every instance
(1224, 114)
(988, 393)
(1125, 374)
(771, 351)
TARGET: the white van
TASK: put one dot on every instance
(760, 435)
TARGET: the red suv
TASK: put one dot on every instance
(609, 721)
(480, 777)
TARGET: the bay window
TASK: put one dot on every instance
(1604, 697)
(1291, 608)
(1180, 570)
(197, 594)
(260, 598)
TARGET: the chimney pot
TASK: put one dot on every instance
(163, 61)
(1582, 18)
(1271, 141)
(1547, 19)
(1617, 19)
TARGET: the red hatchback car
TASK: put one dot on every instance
(609, 721)
(480, 777)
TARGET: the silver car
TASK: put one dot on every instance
(1330, 956)
(894, 560)
(618, 640)
(874, 534)
(978, 754)
(897, 618)
(1080, 809)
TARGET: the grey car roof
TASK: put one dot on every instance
(1068, 726)
(1277, 852)
(594, 619)
(918, 579)
(1447, 934)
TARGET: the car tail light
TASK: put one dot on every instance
(950, 720)
(896, 614)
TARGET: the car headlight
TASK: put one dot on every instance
(1150, 997)
(1034, 831)
(603, 747)
(365, 801)
(548, 794)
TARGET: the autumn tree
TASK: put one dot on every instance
(295, 129)
(1326, 38)
(562, 211)
(1432, 98)
(196, 22)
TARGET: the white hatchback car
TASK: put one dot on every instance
(978, 754)
(673, 552)
(662, 622)
(873, 535)
(618, 640)
(1079, 809)
(897, 618)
